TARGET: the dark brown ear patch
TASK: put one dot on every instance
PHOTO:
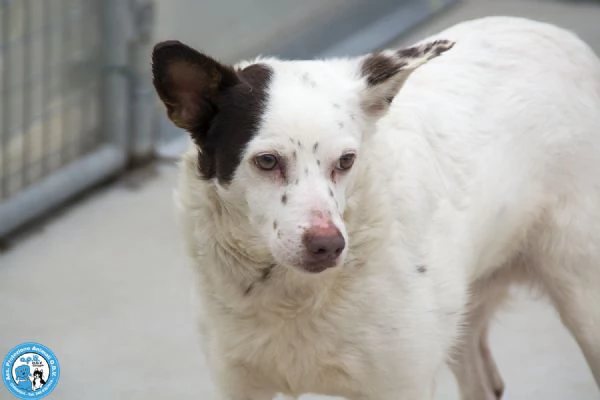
(429, 49)
(189, 82)
(220, 107)
(380, 67)
(385, 72)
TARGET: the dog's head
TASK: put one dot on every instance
(23, 371)
(281, 140)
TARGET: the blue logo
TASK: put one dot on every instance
(30, 371)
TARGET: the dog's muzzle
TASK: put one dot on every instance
(323, 246)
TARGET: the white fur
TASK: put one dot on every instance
(484, 170)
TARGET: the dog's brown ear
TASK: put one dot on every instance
(189, 82)
(385, 72)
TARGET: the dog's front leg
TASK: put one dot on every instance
(472, 363)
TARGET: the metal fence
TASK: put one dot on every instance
(68, 99)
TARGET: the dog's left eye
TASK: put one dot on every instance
(345, 162)
(266, 161)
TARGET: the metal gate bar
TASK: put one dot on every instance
(59, 187)
(65, 86)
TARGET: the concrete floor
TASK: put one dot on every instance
(107, 286)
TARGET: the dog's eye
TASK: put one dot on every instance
(266, 162)
(345, 162)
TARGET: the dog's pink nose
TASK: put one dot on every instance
(324, 243)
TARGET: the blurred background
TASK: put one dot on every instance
(91, 263)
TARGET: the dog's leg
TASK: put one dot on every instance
(475, 369)
(473, 365)
(568, 264)
(582, 318)
(490, 366)
(577, 299)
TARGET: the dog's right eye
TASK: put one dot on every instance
(266, 162)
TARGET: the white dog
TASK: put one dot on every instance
(356, 222)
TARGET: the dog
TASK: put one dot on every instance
(355, 222)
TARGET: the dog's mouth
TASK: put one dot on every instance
(318, 267)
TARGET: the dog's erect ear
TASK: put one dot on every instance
(385, 72)
(189, 83)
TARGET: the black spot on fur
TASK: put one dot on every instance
(274, 224)
(319, 162)
(220, 107)
(297, 180)
(315, 147)
(284, 198)
(249, 289)
(421, 269)
(306, 171)
(266, 273)
(299, 144)
(331, 192)
(295, 155)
